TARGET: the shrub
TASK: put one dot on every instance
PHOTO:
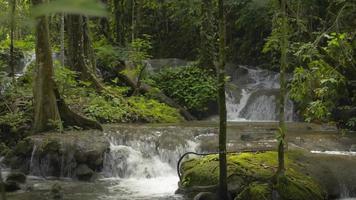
(190, 86)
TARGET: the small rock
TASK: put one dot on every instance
(353, 148)
(206, 196)
(84, 173)
(246, 137)
(17, 177)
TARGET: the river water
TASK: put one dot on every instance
(141, 161)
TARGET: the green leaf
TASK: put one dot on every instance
(81, 7)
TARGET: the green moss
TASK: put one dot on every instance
(24, 147)
(296, 186)
(256, 191)
(258, 172)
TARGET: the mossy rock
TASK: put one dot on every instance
(256, 191)
(257, 171)
(24, 147)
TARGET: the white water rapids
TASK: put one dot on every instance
(142, 170)
(252, 95)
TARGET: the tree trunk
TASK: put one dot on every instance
(62, 40)
(222, 104)
(88, 49)
(49, 108)
(78, 60)
(133, 20)
(119, 22)
(2, 187)
(282, 126)
(45, 104)
(12, 33)
(207, 41)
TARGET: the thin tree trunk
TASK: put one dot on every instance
(207, 43)
(62, 40)
(222, 104)
(2, 187)
(88, 49)
(282, 126)
(45, 104)
(12, 34)
(133, 20)
(119, 22)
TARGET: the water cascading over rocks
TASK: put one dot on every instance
(252, 94)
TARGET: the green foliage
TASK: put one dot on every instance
(190, 86)
(99, 108)
(108, 56)
(26, 44)
(137, 53)
(14, 119)
(82, 7)
(351, 124)
(107, 108)
(321, 82)
(149, 110)
(317, 89)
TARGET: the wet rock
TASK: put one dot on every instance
(24, 147)
(246, 137)
(56, 191)
(17, 177)
(206, 196)
(353, 148)
(11, 186)
(84, 173)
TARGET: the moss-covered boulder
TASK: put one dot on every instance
(251, 176)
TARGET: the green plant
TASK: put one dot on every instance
(351, 123)
(190, 86)
(317, 89)
(150, 110)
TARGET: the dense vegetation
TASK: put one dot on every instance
(68, 64)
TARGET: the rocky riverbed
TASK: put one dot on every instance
(104, 158)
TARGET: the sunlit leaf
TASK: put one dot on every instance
(82, 7)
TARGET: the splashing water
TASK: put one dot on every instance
(143, 170)
(257, 96)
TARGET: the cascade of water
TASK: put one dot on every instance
(258, 97)
(28, 60)
(142, 167)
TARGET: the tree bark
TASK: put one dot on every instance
(119, 22)
(49, 108)
(78, 42)
(62, 40)
(12, 33)
(45, 104)
(223, 193)
(282, 126)
(2, 187)
(206, 52)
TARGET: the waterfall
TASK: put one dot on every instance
(255, 95)
(143, 168)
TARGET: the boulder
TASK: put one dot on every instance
(17, 177)
(250, 177)
(11, 186)
(84, 173)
